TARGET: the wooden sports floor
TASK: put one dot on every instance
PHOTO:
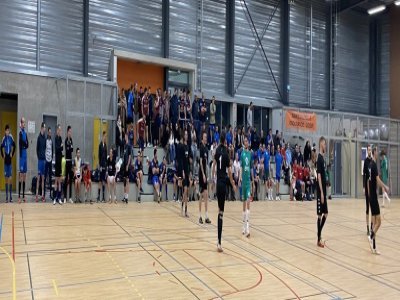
(147, 251)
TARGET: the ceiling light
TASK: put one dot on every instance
(397, 2)
(376, 10)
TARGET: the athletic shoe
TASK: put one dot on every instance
(24, 200)
(219, 248)
(37, 199)
(19, 200)
(70, 201)
(208, 221)
(54, 202)
(200, 220)
(376, 252)
(43, 199)
(321, 244)
(248, 234)
(371, 243)
(65, 200)
(11, 201)
(244, 229)
(60, 202)
(266, 198)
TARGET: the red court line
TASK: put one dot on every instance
(209, 269)
(13, 242)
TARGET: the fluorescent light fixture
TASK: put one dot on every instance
(397, 2)
(376, 10)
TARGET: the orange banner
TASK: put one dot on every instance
(301, 120)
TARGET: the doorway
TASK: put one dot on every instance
(8, 115)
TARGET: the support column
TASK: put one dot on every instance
(85, 37)
(230, 47)
(285, 27)
(373, 67)
(165, 37)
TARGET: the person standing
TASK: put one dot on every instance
(373, 183)
(245, 162)
(69, 172)
(267, 179)
(278, 171)
(58, 171)
(203, 178)
(213, 111)
(367, 161)
(103, 167)
(23, 160)
(41, 156)
(385, 175)
(78, 175)
(7, 153)
(125, 168)
(146, 116)
(186, 162)
(111, 182)
(250, 115)
(220, 166)
(322, 204)
(49, 162)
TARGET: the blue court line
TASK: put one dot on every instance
(1, 226)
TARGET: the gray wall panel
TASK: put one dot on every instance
(352, 63)
(183, 34)
(122, 24)
(213, 50)
(18, 23)
(300, 70)
(61, 36)
(384, 103)
(258, 81)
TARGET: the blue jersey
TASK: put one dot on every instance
(216, 137)
(278, 162)
(259, 154)
(154, 164)
(130, 105)
(266, 160)
(23, 144)
(229, 138)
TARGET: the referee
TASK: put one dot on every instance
(222, 163)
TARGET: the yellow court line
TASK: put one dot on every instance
(14, 285)
(55, 287)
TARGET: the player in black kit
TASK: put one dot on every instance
(322, 204)
(222, 164)
(373, 183)
(367, 161)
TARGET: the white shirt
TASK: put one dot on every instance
(249, 117)
(236, 168)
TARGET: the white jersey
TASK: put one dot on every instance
(236, 169)
(78, 166)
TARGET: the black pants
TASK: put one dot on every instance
(69, 177)
(367, 203)
(221, 194)
(48, 174)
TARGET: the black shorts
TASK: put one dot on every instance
(129, 120)
(375, 210)
(58, 168)
(148, 120)
(221, 194)
(202, 184)
(103, 174)
(186, 181)
(322, 208)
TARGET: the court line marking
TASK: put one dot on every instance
(30, 275)
(55, 287)
(14, 285)
(23, 225)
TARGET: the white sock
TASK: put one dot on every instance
(247, 219)
(244, 216)
(206, 215)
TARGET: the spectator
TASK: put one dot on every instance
(130, 106)
(119, 135)
(250, 115)
(229, 136)
(146, 116)
(216, 135)
(122, 107)
(238, 140)
(269, 139)
(213, 110)
(195, 116)
(288, 154)
(307, 152)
